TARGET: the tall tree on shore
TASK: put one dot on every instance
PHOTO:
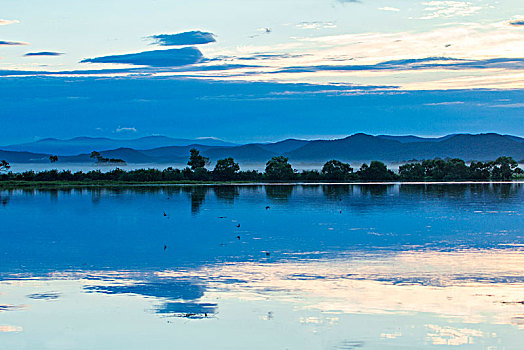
(226, 169)
(53, 159)
(375, 171)
(278, 168)
(4, 166)
(196, 160)
(412, 171)
(504, 168)
(95, 155)
(336, 170)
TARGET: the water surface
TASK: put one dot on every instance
(404, 266)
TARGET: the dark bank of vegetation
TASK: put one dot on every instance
(99, 159)
(278, 169)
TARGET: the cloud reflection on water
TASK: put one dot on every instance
(472, 285)
(401, 265)
(454, 297)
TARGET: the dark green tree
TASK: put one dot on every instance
(375, 171)
(53, 159)
(412, 171)
(504, 168)
(310, 175)
(336, 170)
(226, 169)
(4, 166)
(196, 160)
(201, 174)
(480, 170)
(278, 168)
(95, 155)
(171, 174)
(435, 169)
(456, 169)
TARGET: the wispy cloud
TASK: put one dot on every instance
(393, 9)
(195, 37)
(517, 22)
(43, 53)
(458, 55)
(125, 129)
(265, 30)
(4, 22)
(180, 70)
(446, 63)
(464, 41)
(12, 43)
(10, 329)
(155, 58)
(316, 25)
(498, 80)
(508, 105)
(297, 105)
(80, 72)
(448, 103)
(447, 9)
(267, 57)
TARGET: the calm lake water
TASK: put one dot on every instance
(401, 266)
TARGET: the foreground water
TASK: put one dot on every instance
(263, 267)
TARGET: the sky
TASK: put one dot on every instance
(260, 70)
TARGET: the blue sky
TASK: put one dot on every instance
(415, 51)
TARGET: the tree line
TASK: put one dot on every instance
(279, 169)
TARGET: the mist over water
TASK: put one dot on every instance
(21, 167)
(263, 267)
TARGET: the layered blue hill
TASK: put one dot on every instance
(354, 148)
(84, 144)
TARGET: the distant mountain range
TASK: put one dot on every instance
(354, 148)
(80, 145)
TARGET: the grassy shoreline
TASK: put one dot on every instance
(278, 170)
(108, 183)
(105, 183)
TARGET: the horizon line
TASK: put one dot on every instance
(312, 138)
